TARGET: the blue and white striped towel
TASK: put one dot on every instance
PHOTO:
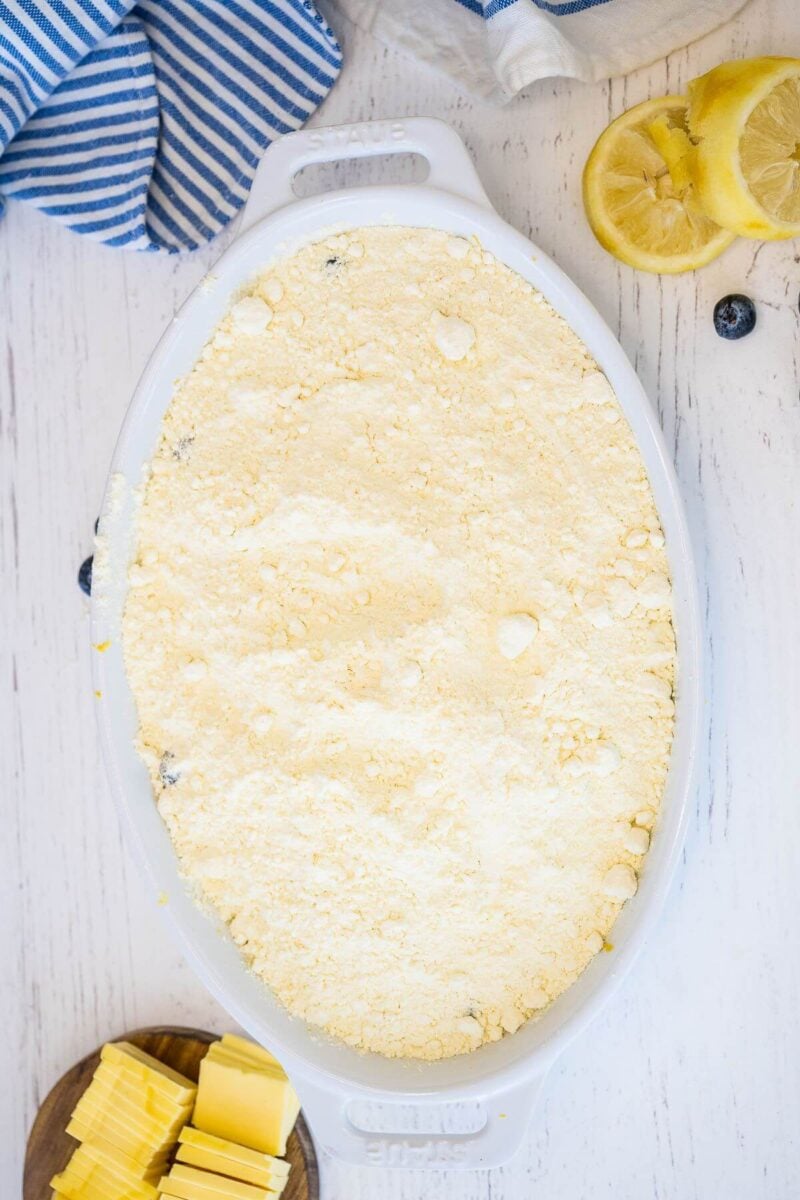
(494, 48)
(141, 124)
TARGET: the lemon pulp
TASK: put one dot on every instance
(770, 152)
(745, 119)
(639, 194)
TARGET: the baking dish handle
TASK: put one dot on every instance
(451, 168)
(507, 1113)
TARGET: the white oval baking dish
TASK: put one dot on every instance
(506, 1076)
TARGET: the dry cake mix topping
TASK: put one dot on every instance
(399, 632)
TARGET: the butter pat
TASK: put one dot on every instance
(91, 1161)
(265, 1172)
(197, 1139)
(98, 1113)
(208, 1161)
(134, 1103)
(73, 1187)
(91, 1175)
(244, 1100)
(143, 1160)
(149, 1170)
(187, 1183)
(122, 1079)
(149, 1104)
(127, 1121)
(149, 1070)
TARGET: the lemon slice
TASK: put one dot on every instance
(745, 118)
(639, 194)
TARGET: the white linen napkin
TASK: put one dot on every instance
(494, 48)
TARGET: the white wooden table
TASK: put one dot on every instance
(689, 1085)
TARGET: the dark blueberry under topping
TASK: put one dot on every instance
(334, 265)
(182, 448)
(85, 575)
(734, 316)
(167, 770)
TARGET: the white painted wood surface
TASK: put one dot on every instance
(689, 1085)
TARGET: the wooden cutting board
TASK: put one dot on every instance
(49, 1147)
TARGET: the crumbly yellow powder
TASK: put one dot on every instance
(400, 637)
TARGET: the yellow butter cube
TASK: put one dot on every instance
(245, 1104)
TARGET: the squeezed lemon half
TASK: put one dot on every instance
(745, 118)
(639, 192)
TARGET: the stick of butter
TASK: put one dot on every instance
(197, 1139)
(245, 1099)
(187, 1183)
(209, 1160)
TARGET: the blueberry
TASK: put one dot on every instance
(85, 575)
(167, 770)
(183, 447)
(734, 316)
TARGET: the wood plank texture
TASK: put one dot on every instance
(687, 1087)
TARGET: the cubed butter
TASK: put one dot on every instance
(187, 1183)
(245, 1104)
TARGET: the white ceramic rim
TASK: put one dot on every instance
(506, 1074)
